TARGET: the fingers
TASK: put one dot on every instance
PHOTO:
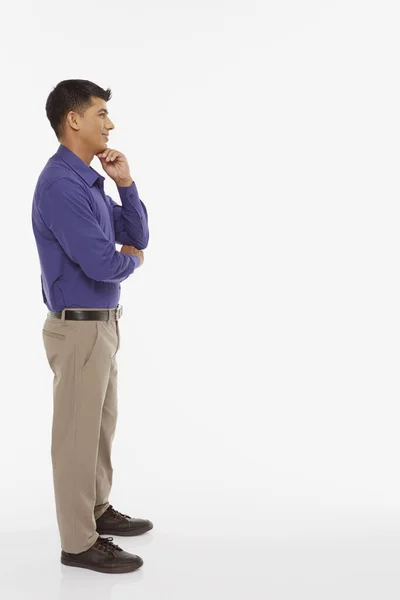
(109, 154)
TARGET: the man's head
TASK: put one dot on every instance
(77, 111)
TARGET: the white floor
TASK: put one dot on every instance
(342, 560)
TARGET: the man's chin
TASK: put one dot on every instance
(102, 147)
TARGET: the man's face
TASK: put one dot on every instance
(93, 126)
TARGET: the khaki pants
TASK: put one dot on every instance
(82, 357)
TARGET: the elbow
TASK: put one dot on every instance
(143, 244)
(140, 242)
(144, 241)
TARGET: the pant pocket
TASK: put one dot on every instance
(118, 339)
(88, 343)
(54, 345)
(59, 336)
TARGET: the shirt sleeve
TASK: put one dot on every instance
(130, 219)
(66, 210)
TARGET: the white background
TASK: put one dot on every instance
(260, 341)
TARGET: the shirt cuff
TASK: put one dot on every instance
(129, 190)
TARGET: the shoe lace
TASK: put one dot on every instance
(116, 514)
(106, 545)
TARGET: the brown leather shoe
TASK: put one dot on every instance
(112, 522)
(103, 556)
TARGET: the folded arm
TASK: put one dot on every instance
(66, 210)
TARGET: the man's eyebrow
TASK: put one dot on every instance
(101, 110)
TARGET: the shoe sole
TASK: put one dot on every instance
(123, 533)
(119, 569)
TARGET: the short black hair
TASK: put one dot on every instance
(71, 94)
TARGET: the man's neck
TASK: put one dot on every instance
(83, 153)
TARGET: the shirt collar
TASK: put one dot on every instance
(87, 173)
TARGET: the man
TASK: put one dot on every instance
(76, 226)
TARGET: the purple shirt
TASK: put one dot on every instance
(76, 226)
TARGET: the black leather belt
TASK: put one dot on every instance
(75, 314)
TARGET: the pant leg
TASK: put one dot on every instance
(104, 472)
(79, 354)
